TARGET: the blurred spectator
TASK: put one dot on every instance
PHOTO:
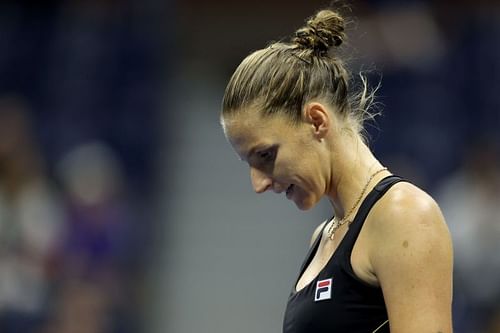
(99, 219)
(469, 200)
(30, 222)
(98, 257)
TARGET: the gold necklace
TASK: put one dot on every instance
(336, 224)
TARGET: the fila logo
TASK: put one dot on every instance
(323, 290)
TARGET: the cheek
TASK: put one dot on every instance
(310, 177)
(301, 169)
(284, 169)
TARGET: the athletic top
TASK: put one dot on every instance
(337, 301)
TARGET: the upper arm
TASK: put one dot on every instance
(412, 260)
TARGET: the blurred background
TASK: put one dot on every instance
(123, 208)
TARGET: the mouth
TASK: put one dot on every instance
(289, 191)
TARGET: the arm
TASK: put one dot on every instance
(411, 255)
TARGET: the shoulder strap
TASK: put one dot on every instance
(312, 251)
(376, 193)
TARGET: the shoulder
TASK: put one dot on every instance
(406, 207)
(407, 214)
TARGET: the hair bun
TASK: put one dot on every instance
(323, 30)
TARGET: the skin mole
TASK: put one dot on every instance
(405, 244)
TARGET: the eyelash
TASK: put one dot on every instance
(266, 155)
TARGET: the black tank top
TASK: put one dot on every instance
(337, 301)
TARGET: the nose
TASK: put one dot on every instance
(260, 181)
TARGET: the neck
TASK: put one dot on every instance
(350, 171)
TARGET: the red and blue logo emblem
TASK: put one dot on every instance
(323, 290)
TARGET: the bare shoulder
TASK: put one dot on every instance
(408, 218)
(411, 255)
(316, 232)
(407, 206)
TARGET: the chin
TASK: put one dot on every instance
(306, 203)
(303, 207)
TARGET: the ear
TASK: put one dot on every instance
(318, 116)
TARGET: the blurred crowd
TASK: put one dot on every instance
(80, 85)
(469, 200)
(77, 135)
(68, 242)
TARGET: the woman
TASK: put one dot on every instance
(384, 262)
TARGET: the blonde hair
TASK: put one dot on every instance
(282, 77)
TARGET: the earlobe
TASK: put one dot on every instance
(317, 115)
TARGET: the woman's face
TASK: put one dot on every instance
(282, 157)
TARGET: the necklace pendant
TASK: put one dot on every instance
(332, 229)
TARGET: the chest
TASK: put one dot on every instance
(335, 300)
(325, 252)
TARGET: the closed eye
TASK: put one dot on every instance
(267, 155)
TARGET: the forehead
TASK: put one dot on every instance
(246, 130)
